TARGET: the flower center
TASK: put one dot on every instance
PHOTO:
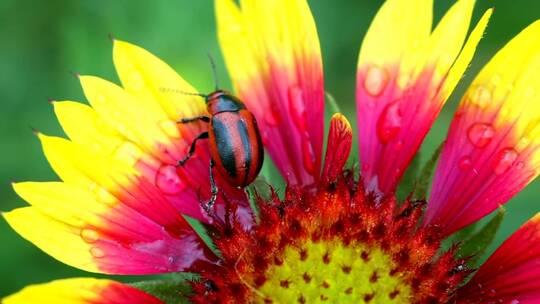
(334, 272)
(333, 244)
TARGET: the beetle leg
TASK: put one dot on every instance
(196, 118)
(203, 135)
(207, 206)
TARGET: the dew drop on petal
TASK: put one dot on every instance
(465, 163)
(389, 123)
(399, 145)
(504, 160)
(297, 108)
(104, 196)
(265, 138)
(308, 155)
(129, 153)
(365, 167)
(100, 99)
(480, 134)
(97, 252)
(403, 80)
(530, 92)
(496, 79)
(137, 81)
(89, 235)
(272, 118)
(375, 81)
(523, 143)
(482, 96)
(168, 181)
(170, 128)
(520, 165)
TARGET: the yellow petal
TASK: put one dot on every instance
(398, 28)
(75, 164)
(80, 291)
(282, 30)
(466, 55)
(508, 87)
(70, 291)
(68, 202)
(84, 126)
(447, 39)
(134, 118)
(152, 81)
(63, 242)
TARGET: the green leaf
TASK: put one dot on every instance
(475, 246)
(425, 174)
(259, 187)
(465, 233)
(272, 175)
(200, 229)
(406, 186)
(173, 289)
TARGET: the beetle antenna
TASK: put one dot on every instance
(169, 90)
(214, 70)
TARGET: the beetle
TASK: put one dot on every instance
(236, 148)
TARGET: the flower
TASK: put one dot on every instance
(125, 207)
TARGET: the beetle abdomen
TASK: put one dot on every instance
(236, 146)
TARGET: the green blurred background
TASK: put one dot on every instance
(42, 41)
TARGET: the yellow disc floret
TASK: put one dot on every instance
(330, 271)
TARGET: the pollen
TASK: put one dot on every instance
(334, 272)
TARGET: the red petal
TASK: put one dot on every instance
(512, 273)
(338, 148)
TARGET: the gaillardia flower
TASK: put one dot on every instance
(125, 207)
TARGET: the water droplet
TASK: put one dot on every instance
(389, 123)
(480, 134)
(168, 181)
(520, 165)
(272, 118)
(465, 163)
(530, 92)
(403, 80)
(123, 129)
(504, 160)
(297, 108)
(170, 128)
(129, 153)
(375, 80)
(137, 82)
(481, 96)
(265, 138)
(103, 127)
(172, 260)
(97, 252)
(89, 235)
(515, 301)
(523, 143)
(104, 196)
(496, 79)
(100, 99)
(399, 144)
(308, 156)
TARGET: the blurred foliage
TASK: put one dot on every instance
(42, 41)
